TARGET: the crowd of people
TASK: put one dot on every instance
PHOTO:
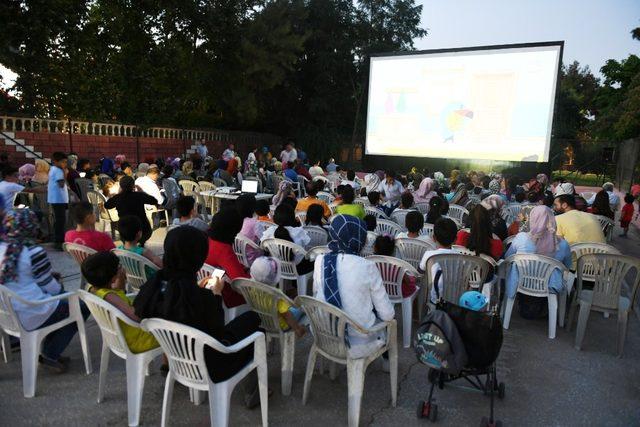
(552, 217)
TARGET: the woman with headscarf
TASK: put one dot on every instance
(106, 166)
(541, 239)
(371, 182)
(438, 206)
(425, 192)
(175, 294)
(26, 173)
(41, 175)
(460, 196)
(494, 205)
(353, 284)
(26, 270)
(284, 191)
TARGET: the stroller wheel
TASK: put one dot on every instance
(485, 423)
(420, 413)
(501, 390)
(433, 413)
(427, 410)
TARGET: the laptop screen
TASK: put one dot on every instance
(249, 186)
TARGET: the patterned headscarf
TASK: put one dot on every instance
(493, 202)
(460, 196)
(283, 190)
(542, 230)
(425, 191)
(348, 235)
(371, 182)
(494, 186)
(440, 179)
(20, 228)
(26, 172)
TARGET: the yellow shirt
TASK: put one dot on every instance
(352, 209)
(138, 340)
(579, 227)
(283, 307)
(303, 205)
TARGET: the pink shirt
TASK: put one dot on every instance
(90, 238)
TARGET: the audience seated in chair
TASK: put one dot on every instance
(444, 234)
(414, 223)
(186, 207)
(385, 245)
(85, 233)
(130, 233)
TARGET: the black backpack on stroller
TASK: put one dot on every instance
(438, 344)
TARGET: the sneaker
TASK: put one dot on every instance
(54, 365)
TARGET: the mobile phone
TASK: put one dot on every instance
(215, 275)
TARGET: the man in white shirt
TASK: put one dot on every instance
(316, 170)
(289, 154)
(202, 149)
(229, 153)
(148, 184)
(351, 180)
(58, 196)
(444, 234)
(392, 190)
(9, 187)
(614, 200)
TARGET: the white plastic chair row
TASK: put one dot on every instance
(286, 252)
(135, 267)
(230, 313)
(240, 246)
(318, 235)
(79, 254)
(607, 226)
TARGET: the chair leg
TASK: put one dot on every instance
(552, 300)
(333, 370)
(355, 376)
(302, 284)
(507, 312)
(287, 355)
(168, 397)
(311, 363)
(5, 341)
(29, 351)
(219, 404)
(104, 366)
(572, 313)
(421, 299)
(583, 317)
(74, 307)
(623, 316)
(562, 308)
(135, 387)
(393, 372)
(263, 386)
(407, 312)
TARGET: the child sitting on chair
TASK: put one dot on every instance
(267, 270)
(108, 280)
(385, 245)
(262, 210)
(414, 222)
(130, 230)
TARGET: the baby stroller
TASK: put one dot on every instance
(458, 343)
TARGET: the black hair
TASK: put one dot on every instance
(414, 221)
(363, 192)
(533, 197)
(351, 175)
(601, 205)
(127, 184)
(315, 212)
(340, 189)
(284, 216)
(81, 211)
(185, 250)
(185, 205)
(125, 165)
(290, 165)
(390, 174)
(406, 198)
(58, 156)
(374, 198)
(445, 231)
(167, 171)
(290, 202)
(129, 226)
(371, 221)
(314, 187)
(569, 199)
(82, 163)
(9, 170)
(481, 234)
(436, 209)
(384, 245)
(547, 199)
(262, 207)
(348, 195)
(246, 205)
(100, 268)
(520, 197)
(628, 198)
(486, 180)
(225, 225)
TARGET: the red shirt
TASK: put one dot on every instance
(495, 246)
(627, 212)
(221, 255)
(90, 238)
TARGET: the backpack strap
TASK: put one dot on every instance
(436, 279)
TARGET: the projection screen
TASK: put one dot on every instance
(486, 103)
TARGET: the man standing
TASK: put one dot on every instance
(202, 149)
(289, 154)
(229, 153)
(576, 226)
(58, 196)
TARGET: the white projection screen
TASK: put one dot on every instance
(484, 103)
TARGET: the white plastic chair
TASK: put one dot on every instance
(580, 249)
(103, 214)
(458, 214)
(398, 216)
(427, 230)
(460, 273)
(108, 318)
(607, 226)
(31, 341)
(263, 300)
(134, 266)
(385, 226)
(230, 313)
(79, 254)
(510, 212)
(189, 188)
(301, 216)
(332, 207)
(184, 347)
(422, 207)
(328, 326)
(286, 252)
(609, 271)
(240, 245)
(362, 201)
(412, 251)
(313, 253)
(507, 242)
(328, 198)
(392, 271)
(207, 202)
(534, 273)
(372, 210)
(368, 247)
(318, 235)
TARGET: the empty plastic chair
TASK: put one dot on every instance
(318, 235)
(79, 254)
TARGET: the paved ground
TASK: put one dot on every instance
(548, 382)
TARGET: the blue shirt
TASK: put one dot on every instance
(331, 167)
(55, 193)
(291, 174)
(522, 244)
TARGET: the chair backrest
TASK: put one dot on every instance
(463, 250)
(219, 182)
(372, 210)
(398, 216)
(386, 226)
(205, 271)
(427, 230)
(318, 235)
(206, 186)
(326, 197)
(392, 271)
(172, 193)
(263, 299)
(134, 266)
(313, 253)
(510, 212)
(107, 316)
(609, 273)
(84, 185)
(332, 207)
(534, 272)
(328, 325)
(579, 249)
(412, 250)
(8, 318)
(266, 224)
(422, 207)
(184, 348)
(285, 252)
(460, 273)
(97, 200)
(368, 247)
(362, 201)
(507, 242)
(457, 212)
(189, 188)
(240, 245)
(78, 252)
(607, 226)
(301, 216)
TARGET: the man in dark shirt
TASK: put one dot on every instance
(130, 202)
